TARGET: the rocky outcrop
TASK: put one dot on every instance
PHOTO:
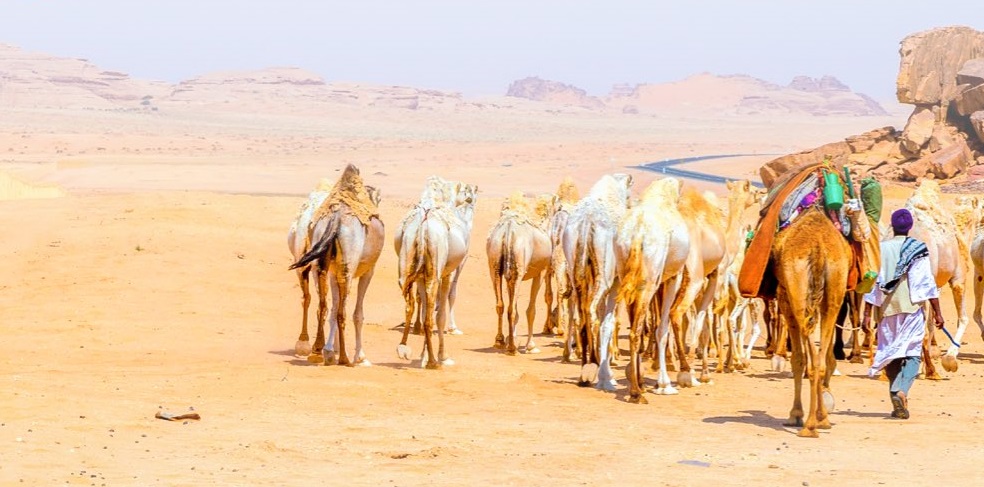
(930, 63)
(872, 152)
(536, 89)
(942, 73)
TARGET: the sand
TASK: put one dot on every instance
(158, 282)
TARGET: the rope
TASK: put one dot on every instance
(954, 342)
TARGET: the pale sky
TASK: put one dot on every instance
(479, 47)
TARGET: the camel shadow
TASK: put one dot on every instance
(859, 414)
(756, 418)
(286, 353)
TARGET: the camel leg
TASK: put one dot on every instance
(663, 386)
(303, 348)
(531, 314)
(756, 328)
(929, 367)
(978, 296)
(500, 339)
(550, 323)
(512, 313)
(452, 296)
(402, 350)
(825, 363)
(358, 318)
(418, 324)
(606, 380)
(442, 321)
(431, 284)
(796, 413)
(636, 309)
(815, 366)
(588, 373)
(706, 298)
(316, 356)
(572, 341)
(857, 348)
(340, 287)
(958, 287)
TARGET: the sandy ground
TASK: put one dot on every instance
(159, 282)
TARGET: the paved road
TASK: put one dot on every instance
(668, 167)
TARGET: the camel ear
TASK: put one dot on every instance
(730, 184)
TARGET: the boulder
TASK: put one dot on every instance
(772, 170)
(972, 72)
(970, 100)
(977, 122)
(931, 60)
(943, 164)
(918, 129)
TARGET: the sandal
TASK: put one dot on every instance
(900, 406)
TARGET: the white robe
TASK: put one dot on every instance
(901, 335)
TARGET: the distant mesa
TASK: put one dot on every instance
(709, 94)
(941, 73)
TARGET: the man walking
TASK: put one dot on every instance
(904, 284)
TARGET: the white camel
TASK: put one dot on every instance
(519, 249)
(949, 257)
(439, 191)
(347, 238)
(589, 247)
(299, 242)
(433, 247)
(652, 247)
(558, 284)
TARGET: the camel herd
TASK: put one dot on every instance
(670, 258)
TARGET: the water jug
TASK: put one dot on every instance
(833, 192)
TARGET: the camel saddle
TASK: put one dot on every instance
(755, 280)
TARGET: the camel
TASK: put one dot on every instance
(299, 242)
(557, 285)
(706, 226)
(433, 247)
(652, 246)
(440, 191)
(589, 241)
(519, 249)
(811, 261)
(347, 238)
(733, 312)
(949, 257)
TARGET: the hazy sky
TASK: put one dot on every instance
(479, 47)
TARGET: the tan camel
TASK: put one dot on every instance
(652, 246)
(347, 238)
(949, 256)
(433, 248)
(811, 260)
(706, 226)
(589, 247)
(519, 249)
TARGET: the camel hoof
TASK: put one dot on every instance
(794, 422)
(684, 379)
(302, 348)
(949, 362)
(778, 363)
(705, 379)
(403, 352)
(433, 365)
(637, 399)
(511, 351)
(808, 433)
(447, 361)
(499, 344)
(589, 373)
(606, 385)
(533, 350)
(316, 359)
(363, 363)
(455, 331)
(667, 391)
(828, 401)
(934, 376)
(857, 359)
(836, 373)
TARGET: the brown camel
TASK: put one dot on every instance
(811, 261)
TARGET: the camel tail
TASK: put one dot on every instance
(582, 256)
(325, 247)
(633, 271)
(416, 257)
(507, 264)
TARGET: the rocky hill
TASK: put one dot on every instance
(709, 94)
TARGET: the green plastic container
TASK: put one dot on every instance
(833, 192)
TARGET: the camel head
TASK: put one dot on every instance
(740, 195)
(967, 214)
(373, 194)
(567, 192)
(926, 197)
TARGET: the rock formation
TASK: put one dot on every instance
(941, 73)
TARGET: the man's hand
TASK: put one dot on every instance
(938, 318)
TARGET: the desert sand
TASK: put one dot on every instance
(143, 268)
